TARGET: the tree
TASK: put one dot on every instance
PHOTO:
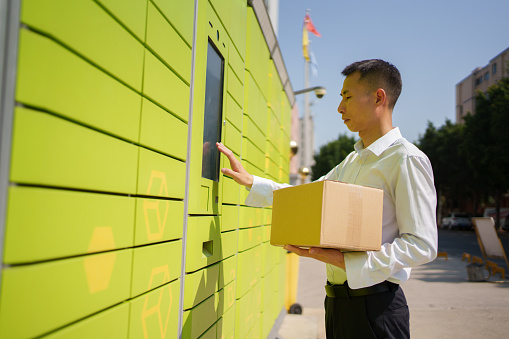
(449, 165)
(487, 141)
(331, 154)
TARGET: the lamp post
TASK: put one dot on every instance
(304, 172)
(307, 130)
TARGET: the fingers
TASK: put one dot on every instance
(226, 151)
(327, 255)
(303, 252)
(238, 173)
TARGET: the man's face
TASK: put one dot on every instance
(357, 106)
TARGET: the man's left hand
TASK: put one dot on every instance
(326, 255)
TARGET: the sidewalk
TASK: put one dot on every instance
(443, 303)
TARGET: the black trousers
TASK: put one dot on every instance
(380, 315)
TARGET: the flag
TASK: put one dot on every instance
(314, 64)
(305, 43)
(310, 26)
(307, 27)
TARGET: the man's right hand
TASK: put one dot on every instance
(238, 172)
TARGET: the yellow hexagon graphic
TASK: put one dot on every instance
(157, 309)
(155, 229)
(99, 268)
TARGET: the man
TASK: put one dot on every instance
(364, 299)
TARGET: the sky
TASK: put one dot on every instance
(434, 44)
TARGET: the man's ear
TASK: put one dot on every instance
(381, 97)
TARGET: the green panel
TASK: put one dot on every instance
(250, 237)
(249, 270)
(226, 325)
(235, 86)
(51, 151)
(64, 223)
(222, 9)
(164, 87)
(133, 15)
(268, 286)
(228, 270)
(232, 137)
(230, 191)
(254, 104)
(271, 168)
(158, 220)
(266, 233)
(267, 216)
(247, 312)
(267, 321)
(210, 333)
(229, 241)
(159, 130)
(155, 314)
(112, 323)
(257, 53)
(267, 260)
(273, 130)
(204, 194)
(155, 265)
(200, 318)
(181, 16)
(284, 147)
(167, 44)
(203, 242)
(160, 176)
(87, 29)
(53, 78)
(250, 168)
(252, 132)
(252, 153)
(236, 63)
(250, 216)
(230, 217)
(275, 90)
(238, 25)
(200, 285)
(53, 294)
(226, 298)
(286, 114)
(234, 112)
(272, 152)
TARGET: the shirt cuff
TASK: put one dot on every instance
(356, 266)
(260, 194)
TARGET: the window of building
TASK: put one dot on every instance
(478, 81)
(213, 114)
(461, 110)
(486, 76)
(494, 68)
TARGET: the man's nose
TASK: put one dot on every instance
(341, 108)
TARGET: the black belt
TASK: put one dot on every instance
(344, 291)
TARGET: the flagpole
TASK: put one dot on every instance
(305, 124)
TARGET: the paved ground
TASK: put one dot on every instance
(443, 303)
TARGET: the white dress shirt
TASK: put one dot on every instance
(409, 230)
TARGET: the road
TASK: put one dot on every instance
(443, 303)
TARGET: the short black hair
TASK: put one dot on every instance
(378, 74)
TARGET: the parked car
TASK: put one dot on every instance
(457, 220)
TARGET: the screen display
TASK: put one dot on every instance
(213, 114)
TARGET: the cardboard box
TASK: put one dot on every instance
(328, 214)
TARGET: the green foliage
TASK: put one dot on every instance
(331, 155)
(472, 159)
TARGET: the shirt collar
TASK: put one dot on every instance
(381, 144)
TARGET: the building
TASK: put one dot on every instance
(479, 80)
(115, 219)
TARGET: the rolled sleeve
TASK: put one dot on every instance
(261, 192)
